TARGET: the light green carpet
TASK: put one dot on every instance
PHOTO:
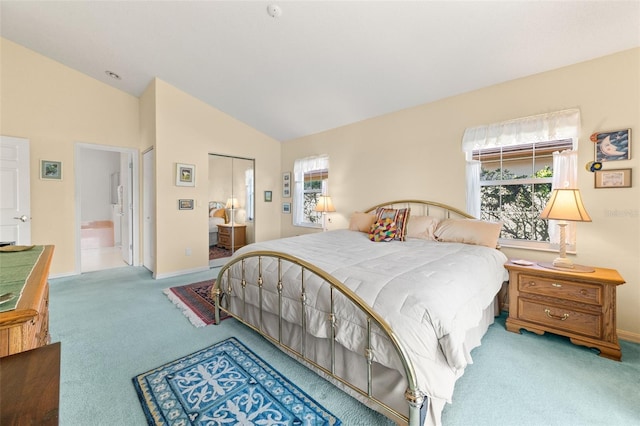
(117, 323)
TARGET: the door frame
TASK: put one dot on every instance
(135, 197)
(148, 256)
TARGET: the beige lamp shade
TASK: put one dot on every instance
(232, 203)
(325, 204)
(565, 204)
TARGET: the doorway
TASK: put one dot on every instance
(106, 194)
(231, 206)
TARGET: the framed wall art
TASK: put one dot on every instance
(185, 204)
(612, 146)
(618, 178)
(286, 185)
(268, 196)
(50, 170)
(185, 174)
(286, 208)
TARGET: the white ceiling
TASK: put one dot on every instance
(321, 64)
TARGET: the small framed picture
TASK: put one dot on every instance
(185, 175)
(268, 196)
(286, 208)
(619, 178)
(612, 146)
(185, 204)
(286, 185)
(51, 170)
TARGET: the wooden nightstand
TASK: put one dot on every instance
(579, 305)
(232, 237)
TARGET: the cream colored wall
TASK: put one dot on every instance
(187, 130)
(415, 153)
(54, 107)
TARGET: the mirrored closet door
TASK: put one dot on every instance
(231, 206)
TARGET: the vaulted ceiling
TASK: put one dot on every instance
(319, 64)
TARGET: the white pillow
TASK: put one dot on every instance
(422, 227)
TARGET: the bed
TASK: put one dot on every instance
(217, 216)
(391, 321)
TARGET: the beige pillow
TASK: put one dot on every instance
(469, 231)
(361, 221)
(422, 227)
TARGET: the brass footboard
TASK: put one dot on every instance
(223, 287)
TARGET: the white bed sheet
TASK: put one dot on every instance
(430, 293)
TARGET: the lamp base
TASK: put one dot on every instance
(560, 266)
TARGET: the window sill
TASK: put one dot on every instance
(534, 246)
(308, 225)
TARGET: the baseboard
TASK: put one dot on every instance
(181, 272)
(629, 336)
(63, 275)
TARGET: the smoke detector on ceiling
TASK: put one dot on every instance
(274, 10)
(113, 75)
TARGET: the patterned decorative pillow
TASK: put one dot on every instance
(383, 230)
(399, 216)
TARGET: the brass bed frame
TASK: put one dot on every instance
(416, 400)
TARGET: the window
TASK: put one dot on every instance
(515, 185)
(513, 166)
(310, 181)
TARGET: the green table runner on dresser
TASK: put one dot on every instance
(15, 268)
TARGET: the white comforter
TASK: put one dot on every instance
(430, 293)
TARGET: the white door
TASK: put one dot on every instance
(126, 224)
(15, 192)
(149, 210)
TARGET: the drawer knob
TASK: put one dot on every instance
(556, 285)
(557, 317)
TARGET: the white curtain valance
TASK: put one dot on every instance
(309, 164)
(537, 128)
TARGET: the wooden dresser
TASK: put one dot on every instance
(27, 326)
(232, 237)
(579, 305)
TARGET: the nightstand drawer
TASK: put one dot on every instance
(224, 238)
(561, 318)
(567, 290)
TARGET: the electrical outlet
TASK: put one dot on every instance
(187, 251)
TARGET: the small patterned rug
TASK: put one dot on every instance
(225, 384)
(195, 302)
(216, 252)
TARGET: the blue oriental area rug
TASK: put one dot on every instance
(225, 384)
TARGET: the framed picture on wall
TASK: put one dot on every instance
(268, 196)
(50, 170)
(185, 174)
(286, 208)
(286, 185)
(612, 146)
(619, 178)
(185, 204)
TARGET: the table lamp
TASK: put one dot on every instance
(565, 205)
(232, 204)
(324, 205)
